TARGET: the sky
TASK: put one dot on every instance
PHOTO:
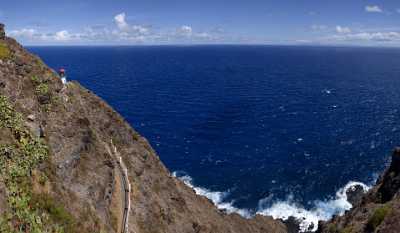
(132, 22)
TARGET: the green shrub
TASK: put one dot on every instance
(5, 224)
(332, 228)
(43, 179)
(27, 212)
(8, 118)
(4, 52)
(377, 217)
(347, 230)
(16, 164)
(42, 89)
(55, 211)
(35, 79)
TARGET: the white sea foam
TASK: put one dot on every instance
(308, 218)
(215, 196)
(321, 210)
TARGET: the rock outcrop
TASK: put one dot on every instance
(59, 172)
(377, 211)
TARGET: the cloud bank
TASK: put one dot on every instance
(122, 32)
(369, 36)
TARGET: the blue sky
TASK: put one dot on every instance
(130, 22)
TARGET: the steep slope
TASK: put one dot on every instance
(377, 211)
(70, 163)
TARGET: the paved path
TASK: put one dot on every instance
(126, 190)
(126, 186)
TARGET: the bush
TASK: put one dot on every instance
(4, 52)
(347, 230)
(35, 80)
(42, 89)
(55, 210)
(16, 164)
(377, 217)
(332, 228)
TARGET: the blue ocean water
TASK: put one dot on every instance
(257, 122)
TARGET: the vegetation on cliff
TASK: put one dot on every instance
(28, 212)
(4, 51)
(377, 217)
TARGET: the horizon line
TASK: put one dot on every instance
(212, 44)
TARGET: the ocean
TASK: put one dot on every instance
(277, 130)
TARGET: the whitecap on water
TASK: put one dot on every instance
(308, 218)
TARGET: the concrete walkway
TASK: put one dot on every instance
(126, 190)
(126, 186)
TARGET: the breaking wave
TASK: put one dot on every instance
(308, 218)
(216, 197)
(321, 210)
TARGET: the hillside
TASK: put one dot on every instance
(70, 163)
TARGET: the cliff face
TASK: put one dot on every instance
(70, 163)
(377, 211)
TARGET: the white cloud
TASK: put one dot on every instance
(185, 30)
(120, 21)
(140, 29)
(62, 36)
(27, 33)
(33, 35)
(129, 32)
(373, 9)
(369, 36)
(342, 30)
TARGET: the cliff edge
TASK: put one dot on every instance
(70, 163)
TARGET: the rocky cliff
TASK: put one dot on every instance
(377, 211)
(70, 163)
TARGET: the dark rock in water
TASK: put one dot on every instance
(292, 225)
(355, 194)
